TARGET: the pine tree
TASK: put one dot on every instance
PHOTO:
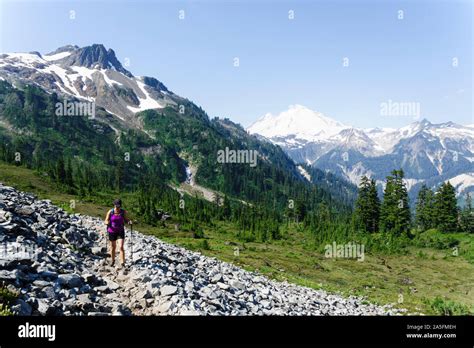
(300, 210)
(68, 179)
(119, 169)
(425, 209)
(60, 174)
(367, 207)
(226, 209)
(395, 210)
(446, 211)
(467, 216)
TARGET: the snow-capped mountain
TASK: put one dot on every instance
(90, 73)
(428, 153)
(166, 143)
(295, 122)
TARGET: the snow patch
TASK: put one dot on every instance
(304, 173)
(145, 103)
(56, 56)
(462, 182)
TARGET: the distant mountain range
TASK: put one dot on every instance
(428, 153)
(168, 133)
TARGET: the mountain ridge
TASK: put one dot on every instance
(165, 134)
(423, 149)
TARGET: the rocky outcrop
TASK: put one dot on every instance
(56, 262)
(96, 55)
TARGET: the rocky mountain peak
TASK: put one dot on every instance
(96, 56)
(67, 48)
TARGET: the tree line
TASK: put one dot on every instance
(433, 209)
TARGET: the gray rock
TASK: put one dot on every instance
(70, 280)
(49, 274)
(189, 312)
(97, 250)
(84, 298)
(216, 278)
(143, 294)
(41, 283)
(166, 307)
(168, 290)
(223, 286)
(21, 308)
(103, 288)
(44, 307)
(48, 292)
(98, 314)
(8, 276)
(189, 286)
(237, 284)
(25, 211)
(112, 285)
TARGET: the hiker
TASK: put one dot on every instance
(115, 221)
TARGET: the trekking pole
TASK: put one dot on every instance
(131, 241)
(106, 245)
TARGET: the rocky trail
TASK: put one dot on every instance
(56, 262)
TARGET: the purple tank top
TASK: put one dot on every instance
(116, 222)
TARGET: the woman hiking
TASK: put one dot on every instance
(115, 221)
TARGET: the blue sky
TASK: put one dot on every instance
(282, 61)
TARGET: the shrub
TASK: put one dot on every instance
(435, 239)
(442, 306)
(199, 233)
(7, 297)
(204, 245)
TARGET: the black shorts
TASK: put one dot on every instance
(115, 236)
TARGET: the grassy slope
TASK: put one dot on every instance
(423, 273)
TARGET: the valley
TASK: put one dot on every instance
(273, 205)
(424, 280)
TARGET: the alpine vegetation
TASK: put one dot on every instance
(69, 276)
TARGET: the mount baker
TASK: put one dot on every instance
(428, 153)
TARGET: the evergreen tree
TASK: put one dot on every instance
(425, 209)
(367, 207)
(119, 169)
(68, 179)
(300, 210)
(226, 209)
(60, 174)
(395, 210)
(446, 211)
(467, 216)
